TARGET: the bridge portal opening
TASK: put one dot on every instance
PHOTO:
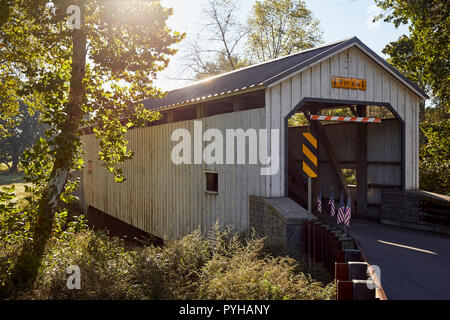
(355, 156)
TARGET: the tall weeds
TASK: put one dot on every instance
(221, 266)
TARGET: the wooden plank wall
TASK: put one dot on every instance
(315, 82)
(169, 200)
(383, 156)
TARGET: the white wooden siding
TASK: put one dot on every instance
(315, 82)
(169, 200)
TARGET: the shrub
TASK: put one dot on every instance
(435, 157)
(17, 217)
(222, 266)
(247, 274)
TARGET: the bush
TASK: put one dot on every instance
(244, 273)
(434, 168)
(222, 266)
(17, 216)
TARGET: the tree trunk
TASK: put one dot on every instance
(15, 162)
(26, 269)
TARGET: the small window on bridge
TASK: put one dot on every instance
(212, 182)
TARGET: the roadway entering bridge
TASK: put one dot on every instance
(414, 264)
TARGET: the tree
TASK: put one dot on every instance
(435, 157)
(85, 62)
(281, 27)
(10, 63)
(8, 106)
(223, 34)
(22, 136)
(424, 55)
(403, 56)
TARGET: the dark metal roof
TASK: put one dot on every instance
(261, 75)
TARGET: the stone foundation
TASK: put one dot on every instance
(280, 221)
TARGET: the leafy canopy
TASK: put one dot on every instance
(21, 136)
(435, 157)
(424, 55)
(91, 74)
(127, 43)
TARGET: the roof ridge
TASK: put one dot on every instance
(268, 73)
(262, 63)
(311, 59)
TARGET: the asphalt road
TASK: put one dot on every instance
(414, 264)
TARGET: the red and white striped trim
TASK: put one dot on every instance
(350, 119)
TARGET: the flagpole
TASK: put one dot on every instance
(311, 229)
(309, 199)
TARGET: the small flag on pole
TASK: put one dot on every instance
(319, 202)
(348, 212)
(331, 203)
(341, 210)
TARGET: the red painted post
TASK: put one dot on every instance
(324, 245)
(335, 246)
(340, 256)
(325, 248)
(305, 240)
(344, 290)
(329, 264)
(317, 243)
(311, 243)
(342, 271)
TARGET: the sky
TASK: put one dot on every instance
(339, 19)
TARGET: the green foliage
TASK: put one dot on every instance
(14, 62)
(240, 270)
(16, 222)
(424, 55)
(127, 43)
(113, 149)
(92, 75)
(222, 266)
(220, 65)
(21, 136)
(278, 28)
(9, 106)
(434, 165)
(273, 29)
(436, 114)
(349, 176)
(298, 120)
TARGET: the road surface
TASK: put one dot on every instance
(414, 264)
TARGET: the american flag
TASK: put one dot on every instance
(331, 203)
(341, 210)
(319, 202)
(348, 212)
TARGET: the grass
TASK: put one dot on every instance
(8, 179)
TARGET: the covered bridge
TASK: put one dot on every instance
(170, 200)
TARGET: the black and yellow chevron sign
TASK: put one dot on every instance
(310, 154)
